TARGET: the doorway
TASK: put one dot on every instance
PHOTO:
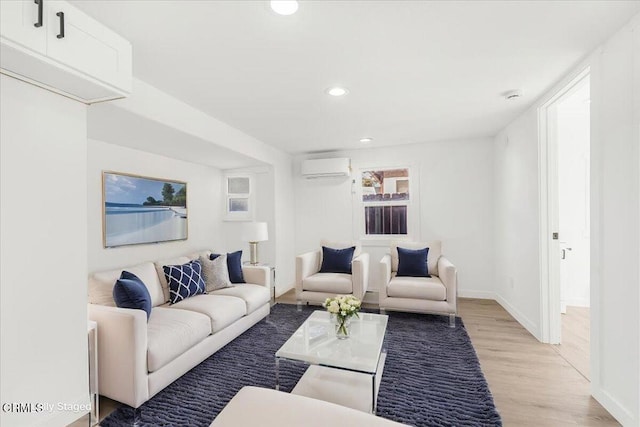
(565, 127)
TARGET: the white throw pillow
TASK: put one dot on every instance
(216, 273)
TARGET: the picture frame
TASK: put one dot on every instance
(139, 210)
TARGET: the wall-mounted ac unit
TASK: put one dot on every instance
(324, 168)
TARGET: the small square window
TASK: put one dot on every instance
(238, 205)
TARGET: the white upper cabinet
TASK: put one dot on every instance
(70, 53)
(22, 21)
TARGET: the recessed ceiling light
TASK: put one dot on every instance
(366, 140)
(337, 91)
(284, 7)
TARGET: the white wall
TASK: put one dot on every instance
(615, 230)
(152, 104)
(204, 204)
(43, 253)
(516, 218)
(615, 220)
(455, 199)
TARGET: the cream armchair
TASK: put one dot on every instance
(436, 294)
(313, 286)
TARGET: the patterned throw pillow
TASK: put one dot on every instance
(215, 272)
(184, 280)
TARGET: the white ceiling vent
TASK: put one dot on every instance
(325, 168)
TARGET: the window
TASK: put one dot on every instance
(239, 196)
(385, 197)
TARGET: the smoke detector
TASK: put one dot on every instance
(513, 94)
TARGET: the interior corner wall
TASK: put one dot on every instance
(455, 182)
(204, 204)
(517, 273)
(615, 220)
(43, 259)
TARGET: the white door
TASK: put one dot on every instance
(22, 23)
(81, 42)
(573, 198)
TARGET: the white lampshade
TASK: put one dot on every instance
(254, 232)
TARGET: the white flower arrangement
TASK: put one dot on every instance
(343, 307)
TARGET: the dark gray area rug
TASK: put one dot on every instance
(432, 376)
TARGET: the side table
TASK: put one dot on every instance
(92, 330)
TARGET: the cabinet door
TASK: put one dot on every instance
(87, 45)
(17, 24)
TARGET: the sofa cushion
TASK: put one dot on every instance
(435, 251)
(163, 279)
(413, 262)
(337, 260)
(101, 284)
(223, 310)
(255, 296)
(337, 283)
(172, 332)
(184, 280)
(428, 288)
(130, 292)
(215, 272)
(340, 245)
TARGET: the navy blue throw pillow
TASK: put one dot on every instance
(234, 266)
(184, 280)
(130, 292)
(413, 262)
(337, 260)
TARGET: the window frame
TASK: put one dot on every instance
(230, 215)
(412, 206)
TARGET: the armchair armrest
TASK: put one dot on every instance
(449, 277)
(257, 274)
(306, 265)
(385, 275)
(360, 275)
(122, 352)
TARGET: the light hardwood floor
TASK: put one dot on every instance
(575, 339)
(531, 383)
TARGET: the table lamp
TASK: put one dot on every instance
(254, 232)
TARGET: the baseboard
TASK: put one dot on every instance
(283, 290)
(521, 318)
(618, 411)
(578, 302)
(470, 293)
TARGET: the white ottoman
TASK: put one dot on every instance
(255, 406)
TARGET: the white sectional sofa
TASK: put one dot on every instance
(138, 358)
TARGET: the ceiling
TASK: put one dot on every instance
(416, 71)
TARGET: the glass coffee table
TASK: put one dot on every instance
(342, 371)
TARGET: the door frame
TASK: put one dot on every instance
(550, 320)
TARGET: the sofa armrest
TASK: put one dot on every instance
(449, 277)
(384, 270)
(122, 353)
(306, 265)
(257, 274)
(360, 275)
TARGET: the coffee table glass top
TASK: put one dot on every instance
(315, 342)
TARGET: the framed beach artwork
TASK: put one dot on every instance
(139, 210)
